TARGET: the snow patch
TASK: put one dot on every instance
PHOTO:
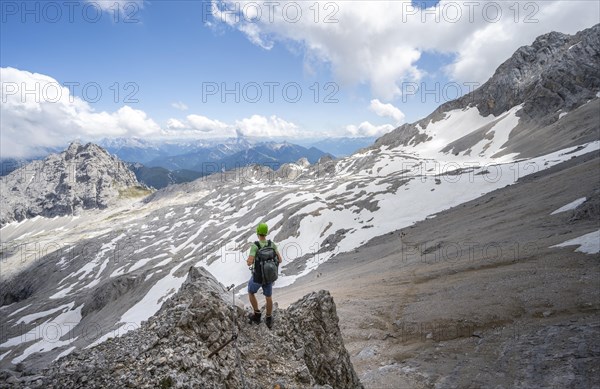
(63, 292)
(572, 205)
(66, 352)
(19, 310)
(34, 316)
(588, 243)
(144, 261)
(48, 334)
(150, 304)
(5, 354)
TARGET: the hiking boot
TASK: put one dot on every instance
(269, 321)
(254, 317)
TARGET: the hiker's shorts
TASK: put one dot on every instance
(253, 287)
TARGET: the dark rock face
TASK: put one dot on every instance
(81, 177)
(172, 349)
(107, 292)
(557, 73)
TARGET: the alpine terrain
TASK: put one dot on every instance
(458, 251)
(159, 164)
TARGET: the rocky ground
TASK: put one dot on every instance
(185, 346)
(475, 297)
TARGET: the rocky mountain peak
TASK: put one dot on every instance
(177, 347)
(557, 73)
(80, 177)
(74, 147)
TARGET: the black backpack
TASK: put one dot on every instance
(266, 264)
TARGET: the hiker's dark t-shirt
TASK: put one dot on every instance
(254, 250)
(263, 243)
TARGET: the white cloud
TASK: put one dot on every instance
(273, 126)
(378, 43)
(387, 110)
(50, 116)
(255, 126)
(179, 105)
(174, 124)
(198, 126)
(367, 129)
(204, 124)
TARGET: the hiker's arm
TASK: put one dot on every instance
(279, 257)
(250, 260)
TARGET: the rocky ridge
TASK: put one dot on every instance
(173, 348)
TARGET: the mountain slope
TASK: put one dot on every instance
(270, 154)
(158, 177)
(81, 177)
(556, 76)
(478, 294)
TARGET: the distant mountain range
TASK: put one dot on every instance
(162, 163)
(159, 164)
(341, 147)
(179, 154)
(170, 154)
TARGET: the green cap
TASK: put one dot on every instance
(262, 229)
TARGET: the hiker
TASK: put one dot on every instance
(264, 260)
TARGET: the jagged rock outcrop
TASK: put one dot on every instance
(556, 71)
(172, 349)
(556, 74)
(81, 177)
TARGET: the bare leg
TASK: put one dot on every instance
(253, 301)
(269, 305)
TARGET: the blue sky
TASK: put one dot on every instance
(168, 53)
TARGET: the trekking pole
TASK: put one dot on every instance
(235, 336)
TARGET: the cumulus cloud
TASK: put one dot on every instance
(255, 126)
(204, 124)
(367, 129)
(49, 116)
(198, 126)
(180, 106)
(379, 43)
(273, 126)
(174, 124)
(387, 110)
